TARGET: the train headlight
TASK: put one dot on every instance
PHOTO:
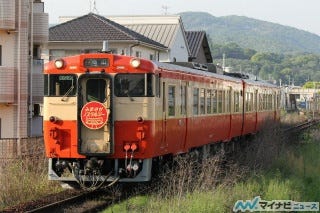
(135, 62)
(59, 63)
(53, 119)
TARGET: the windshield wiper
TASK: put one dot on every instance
(126, 92)
(64, 97)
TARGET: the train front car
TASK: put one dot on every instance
(98, 117)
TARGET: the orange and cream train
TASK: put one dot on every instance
(109, 117)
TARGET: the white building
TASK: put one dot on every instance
(23, 32)
(166, 29)
(87, 33)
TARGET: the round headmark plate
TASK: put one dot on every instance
(94, 115)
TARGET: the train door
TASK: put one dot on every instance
(174, 116)
(183, 121)
(164, 143)
(94, 110)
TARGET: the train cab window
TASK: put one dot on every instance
(209, 101)
(195, 101)
(135, 85)
(171, 101)
(60, 85)
(202, 101)
(96, 90)
(214, 101)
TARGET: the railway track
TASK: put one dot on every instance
(82, 201)
(302, 126)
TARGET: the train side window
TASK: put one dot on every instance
(223, 101)
(236, 101)
(96, 90)
(195, 101)
(260, 102)
(278, 101)
(228, 101)
(220, 102)
(209, 101)
(183, 97)
(249, 101)
(214, 101)
(171, 101)
(157, 85)
(255, 106)
(202, 101)
(135, 85)
(264, 102)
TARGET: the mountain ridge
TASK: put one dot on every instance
(259, 35)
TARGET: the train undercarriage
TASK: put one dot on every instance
(94, 172)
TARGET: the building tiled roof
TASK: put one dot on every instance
(160, 28)
(162, 33)
(197, 40)
(92, 27)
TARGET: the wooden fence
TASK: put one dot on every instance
(33, 147)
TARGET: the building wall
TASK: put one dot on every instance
(179, 49)
(7, 120)
(15, 37)
(201, 57)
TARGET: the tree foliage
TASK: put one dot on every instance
(294, 69)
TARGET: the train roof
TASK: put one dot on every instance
(188, 70)
(260, 83)
(213, 75)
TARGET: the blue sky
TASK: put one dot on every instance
(301, 14)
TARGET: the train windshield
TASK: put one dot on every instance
(60, 85)
(134, 85)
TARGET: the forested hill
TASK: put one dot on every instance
(251, 33)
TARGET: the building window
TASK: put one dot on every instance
(151, 57)
(138, 54)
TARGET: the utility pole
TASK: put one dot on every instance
(165, 8)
